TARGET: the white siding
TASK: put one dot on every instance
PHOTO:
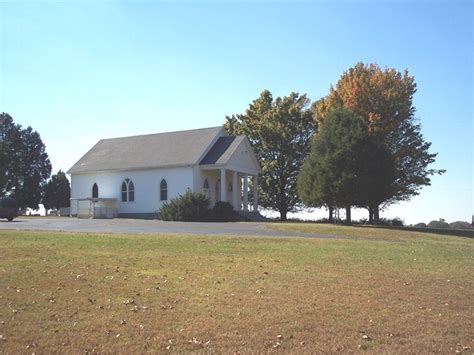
(146, 185)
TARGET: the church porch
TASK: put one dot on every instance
(236, 187)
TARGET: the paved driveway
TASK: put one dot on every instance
(150, 226)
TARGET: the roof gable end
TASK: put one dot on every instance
(234, 153)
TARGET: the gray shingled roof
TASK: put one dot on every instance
(181, 148)
(222, 150)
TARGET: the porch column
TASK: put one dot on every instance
(246, 193)
(223, 186)
(235, 202)
(255, 195)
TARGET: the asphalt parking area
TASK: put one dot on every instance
(130, 226)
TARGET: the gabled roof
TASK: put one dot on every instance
(222, 150)
(173, 149)
(233, 153)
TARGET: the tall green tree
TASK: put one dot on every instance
(341, 158)
(280, 131)
(376, 171)
(9, 140)
(57, 192)
(24, 163)
(384, 98)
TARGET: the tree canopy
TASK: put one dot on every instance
(339, 169)
(57, 192)
(24, 163)
(280, 131)
(384, 98)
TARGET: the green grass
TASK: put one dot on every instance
(65, 292)
(363, 231)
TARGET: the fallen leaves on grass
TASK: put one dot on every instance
(195, 341)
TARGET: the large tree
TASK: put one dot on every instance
(338, 170)
(57, 192)
(377, 175)
(384, 98)
(280, 131)
(24, 163)
(9, 139)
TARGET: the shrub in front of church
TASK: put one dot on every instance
(222, 212)
(189, 207)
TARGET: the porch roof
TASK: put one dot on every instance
(222, 150)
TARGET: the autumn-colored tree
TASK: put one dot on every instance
(280, 131)
(384, 98)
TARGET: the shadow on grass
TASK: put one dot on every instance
(443, 231)
(467, 233)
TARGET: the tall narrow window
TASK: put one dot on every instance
(95, 191)
(131, 191)
(163, 190)
(124, 191)
(205, 189)
(128, 191)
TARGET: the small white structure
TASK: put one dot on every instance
(133, 176)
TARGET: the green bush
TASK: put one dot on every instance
(460, 225)
(438, 224)
(394, 222)
(190, 207)
(222, 212)
(420, 225)
(397, 222)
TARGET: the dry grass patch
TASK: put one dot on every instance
(134, 293)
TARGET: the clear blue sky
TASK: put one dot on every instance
(79, 71)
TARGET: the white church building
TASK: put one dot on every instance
(134, 176)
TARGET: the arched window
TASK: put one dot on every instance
(128, 191)
(163, 190)
(205, 189)
(124, 192)
(131, 191)
(95, 191)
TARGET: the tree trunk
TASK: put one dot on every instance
(371, 215)
(348, 215)
(376, 215)
(331, 214)
(283, 215)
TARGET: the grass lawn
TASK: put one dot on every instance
(359, 231)
(69, 292)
